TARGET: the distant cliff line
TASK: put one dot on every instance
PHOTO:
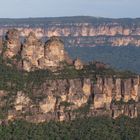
(80, 31)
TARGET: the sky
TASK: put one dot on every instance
(59, 8)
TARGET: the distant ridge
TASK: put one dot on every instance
(67, 19)
(79, 31)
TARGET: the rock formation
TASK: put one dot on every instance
(78, 64)
(67, 91)
(67, 99)
(32, 51)
(36, 55)
(53, 53)
(12, 44)
(33, 54)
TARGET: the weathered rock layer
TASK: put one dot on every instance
(71, 98)
(82, 31)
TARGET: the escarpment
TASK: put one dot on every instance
(39, 82)
(80, 31)
(68, 99)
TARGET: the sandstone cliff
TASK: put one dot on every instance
(81, 31)
(67, 99)
(39, 82)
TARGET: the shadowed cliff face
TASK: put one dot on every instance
(48, 85)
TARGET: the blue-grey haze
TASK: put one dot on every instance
(56, 8)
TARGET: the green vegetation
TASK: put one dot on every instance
(121, 102)
(66, 104)
(97, 128)
(82, 111)
(115, 73)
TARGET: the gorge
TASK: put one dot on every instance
(39, 82)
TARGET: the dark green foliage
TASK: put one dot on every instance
(84, 110)
(17, 57)
(97, 128)
(115, 73)
(66, 104)
(121, 102)
(39, 76)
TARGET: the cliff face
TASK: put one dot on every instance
(68, 99)
(39, 82)
(83, 31)
(88, 36)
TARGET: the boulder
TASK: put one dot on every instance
(78, 64)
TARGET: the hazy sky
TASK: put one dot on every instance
(53, 8)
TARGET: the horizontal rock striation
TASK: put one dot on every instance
(67, 99)
(81, 31)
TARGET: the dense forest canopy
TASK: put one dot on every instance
(97, 128)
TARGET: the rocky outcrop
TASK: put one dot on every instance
(53, 53)
(11, 44)
(32, 51)
(33, 54)
(36, 55)
(78, 64)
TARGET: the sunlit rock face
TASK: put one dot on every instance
(37, 55)
(32, 51)
(118, 95)
(33, 54)
(12, 44)
(78, 64)
(54, 49)
(67, 99)
(53, 53)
